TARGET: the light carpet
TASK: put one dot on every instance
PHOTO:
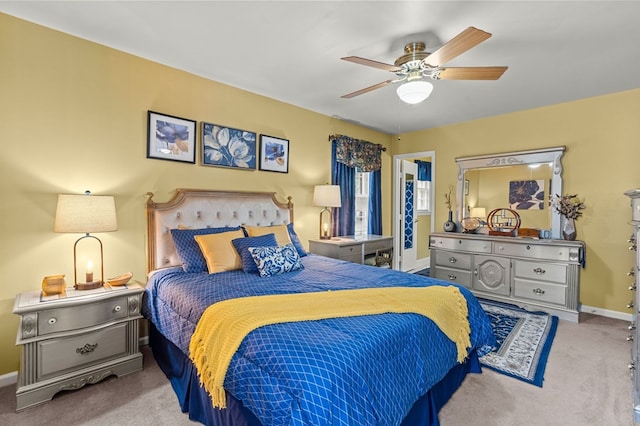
(523, 341)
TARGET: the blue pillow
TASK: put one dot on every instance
(188, 250)
(242, 245)
(276, 260)
(296, 241)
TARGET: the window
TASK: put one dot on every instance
(423, 197)
(362, 203)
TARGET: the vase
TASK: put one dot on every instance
(450, 225)
(569, 232)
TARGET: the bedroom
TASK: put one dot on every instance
(77, 114)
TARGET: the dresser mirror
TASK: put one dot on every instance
(523, 181)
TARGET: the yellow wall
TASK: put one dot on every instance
(74, 117)
(602, 136)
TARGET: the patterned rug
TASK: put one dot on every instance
(523, 341)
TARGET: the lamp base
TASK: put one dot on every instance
(325, 237)
(88, 286)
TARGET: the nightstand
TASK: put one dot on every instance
(351, 248)
(73, 340)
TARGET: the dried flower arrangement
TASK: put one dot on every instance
(568, 205)
(448, 197)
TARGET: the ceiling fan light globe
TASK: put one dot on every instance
(414, 92)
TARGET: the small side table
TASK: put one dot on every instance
(72, 340)
(355, 248)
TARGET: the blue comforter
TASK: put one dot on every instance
(366, 370)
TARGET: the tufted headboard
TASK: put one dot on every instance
(198, 208)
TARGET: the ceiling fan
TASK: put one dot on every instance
(416, 66)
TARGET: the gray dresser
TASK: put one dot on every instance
(634, 304)
(532, 273)
(67, 342)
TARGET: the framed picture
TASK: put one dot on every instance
(228, 147)
(274, 154)
(526, 194)
(171, 138)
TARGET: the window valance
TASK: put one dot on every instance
(362, 155)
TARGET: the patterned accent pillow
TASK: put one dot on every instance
(295, 240)
(276, 260)
(188, 250)
(242, 246)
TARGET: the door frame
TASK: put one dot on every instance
(398, 219)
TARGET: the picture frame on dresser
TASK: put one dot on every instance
(224, 146)
(171, 138)
(274, 154)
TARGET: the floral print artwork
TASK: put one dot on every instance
(224, 146)
(526, 195)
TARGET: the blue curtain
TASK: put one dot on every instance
(424, 170)
(375, 203)
(343, 218)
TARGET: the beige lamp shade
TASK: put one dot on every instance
(327, 196)
(85, 214)
(480, 212)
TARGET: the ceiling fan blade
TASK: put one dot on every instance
(472, 73)
(464, 41)
(371, 63)
(366, 89)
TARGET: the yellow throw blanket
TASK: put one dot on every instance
(225, 324)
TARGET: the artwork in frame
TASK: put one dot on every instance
(228, 147)
(171, 138)
(526, 194)
(274, 154)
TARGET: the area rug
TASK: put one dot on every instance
(523, 341)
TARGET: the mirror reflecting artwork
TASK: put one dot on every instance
(521, 181)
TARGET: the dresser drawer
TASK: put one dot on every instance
(541, 271)
(70, 353)
(76, 317)
(460, 244)
(457, 276)
(540, 291)
(453, 260)
(537, 251)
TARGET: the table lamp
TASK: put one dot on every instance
(326, 196)
(86, 214)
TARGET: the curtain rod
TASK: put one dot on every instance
(331, 137)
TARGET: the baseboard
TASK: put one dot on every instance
(606, 313)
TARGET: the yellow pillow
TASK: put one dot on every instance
(281, 233)
(219, 252)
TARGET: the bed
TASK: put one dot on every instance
(360, 369)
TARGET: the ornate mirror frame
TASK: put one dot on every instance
(545, 155)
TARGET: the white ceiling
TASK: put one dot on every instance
(556, 51)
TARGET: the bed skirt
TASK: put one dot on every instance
(193, 399)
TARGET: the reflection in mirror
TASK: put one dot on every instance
(521, 181)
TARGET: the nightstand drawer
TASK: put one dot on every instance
(352, 253)
(57, 355)
(77, 317)
(373, 246)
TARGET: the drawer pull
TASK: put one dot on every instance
(452, 259)
(528, 247)
(538, 291)
(539, 271)
(452, 277)
(86, 349)
(118, 308)
(630, 338)
(52, 321)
